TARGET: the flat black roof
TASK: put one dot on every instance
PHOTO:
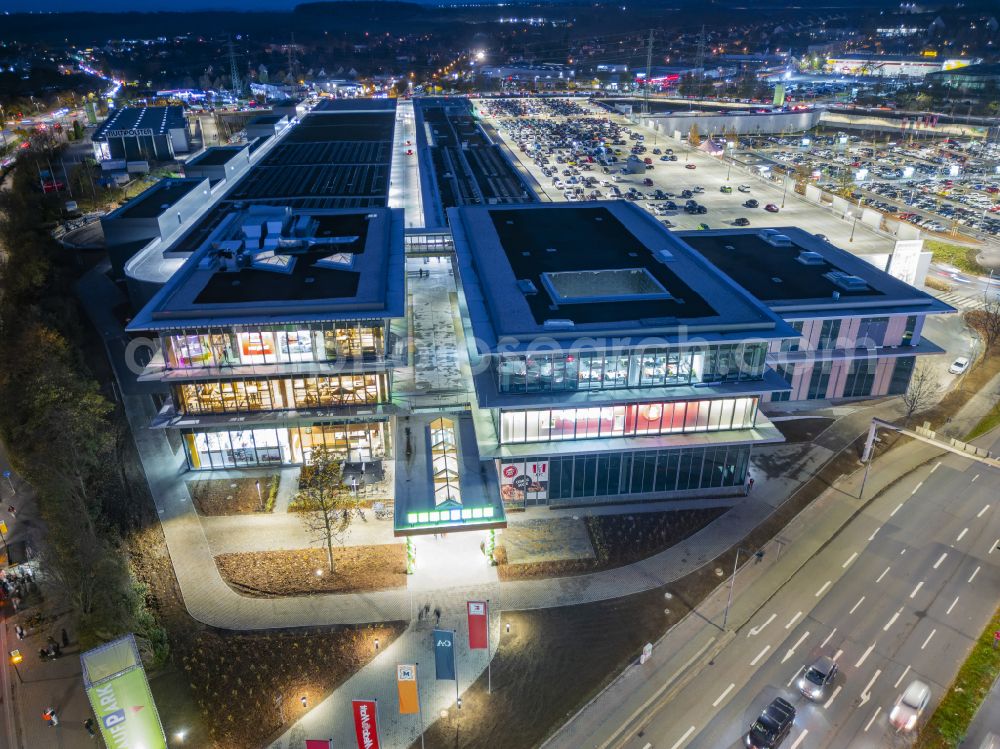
(158, 198)
(776, 276)
(317, 128)
(216, 156)
(563, 273)
(158, 119)
(588, 239)
(356, 105)
(306, 281)
(266, 119)
(772, 273)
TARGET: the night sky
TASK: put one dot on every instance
(19, 6)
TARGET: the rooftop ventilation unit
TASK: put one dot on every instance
(775, 238)
(527, 286)
(556, 323)
(810, 258)
(846, 281)
(664, 256)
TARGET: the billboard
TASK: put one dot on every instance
(524, 480)
(478, 625)
(118, 691)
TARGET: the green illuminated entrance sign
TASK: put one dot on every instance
(437, 517)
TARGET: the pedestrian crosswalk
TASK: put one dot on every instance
(960, 300)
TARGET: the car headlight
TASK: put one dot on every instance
(912, 721)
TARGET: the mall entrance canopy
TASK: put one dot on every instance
(442, 485)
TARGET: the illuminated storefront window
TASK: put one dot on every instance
(649, 367)
(302, 343)
(285, 445)
(550, 424)
(233, 396)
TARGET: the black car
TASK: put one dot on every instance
(772, 727)
(670, 205)
(741, 221)
(750, 203)
(687, 194)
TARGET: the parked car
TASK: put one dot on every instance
(750, 203)
(910, 706)
(704, 226)
(726, 189)
(744, 188)
(647, 182)
(741, 221)
(817, 677)
(772, 727)
(690, 166)
(664, 158)
(771, 208)
(959, 366)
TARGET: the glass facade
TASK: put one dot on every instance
(860, 378)
(643, 472)
(626, 420)
(285, 444)
(275, 394)
(901, 374)
(639, 368)
(239, 346)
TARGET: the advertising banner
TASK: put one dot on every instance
(319, 744)
(366, 723)
(406, 685)
(478, 625)
(444, 654)
(524, 480)
(125, 711)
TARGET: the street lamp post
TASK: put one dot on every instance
(15, 658)
(784, 191)
(732, 582)
(260, 497)
(852, 229)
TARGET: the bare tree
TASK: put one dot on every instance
(324, 503)
(987, 320)
(922, 392)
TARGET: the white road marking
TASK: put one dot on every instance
(860, 601)
(900, 679)
(916, 488)
(793, 677)
(791, 650)
(874, 532)
(884, 573)
(962, 534)
(866, 693)
(722, 696)
(832, 698)
(836, 656)
(941, 559)
(994, 546)
(936, 466)
(682, 739)
(928, 639)
(983, 511)
(849, 560)
(917, 589)
(823, 644)
(973, 575)
(757, 630)
(902, 552)
(826, 585)
(868, 724)
(898, 508)
(975, 477)
(800, 739)
(865, 656)
(952, 605)
(892, 620)
(793, 620)
(760, 655)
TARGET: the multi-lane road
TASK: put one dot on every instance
(899, 594)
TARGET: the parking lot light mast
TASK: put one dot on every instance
(732, 582)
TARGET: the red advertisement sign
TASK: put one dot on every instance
(479, 620)
(366, 723)
(318, 744)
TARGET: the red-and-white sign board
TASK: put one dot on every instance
(319, 744)
(366, 723)
(479, 622)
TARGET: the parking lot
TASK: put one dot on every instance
(543, 140)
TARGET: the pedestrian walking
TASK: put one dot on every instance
(15, 602)
(88, 726)
(437, 617)
(750, 487)
(20, 632)
(65, 638)
(12, 511)
(50, 716)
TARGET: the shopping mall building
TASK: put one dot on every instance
(428, 320)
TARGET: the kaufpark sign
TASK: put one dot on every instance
(118, 691)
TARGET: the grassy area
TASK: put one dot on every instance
(947, 726)
(234, 496)
(957, 255)
(989, 422)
